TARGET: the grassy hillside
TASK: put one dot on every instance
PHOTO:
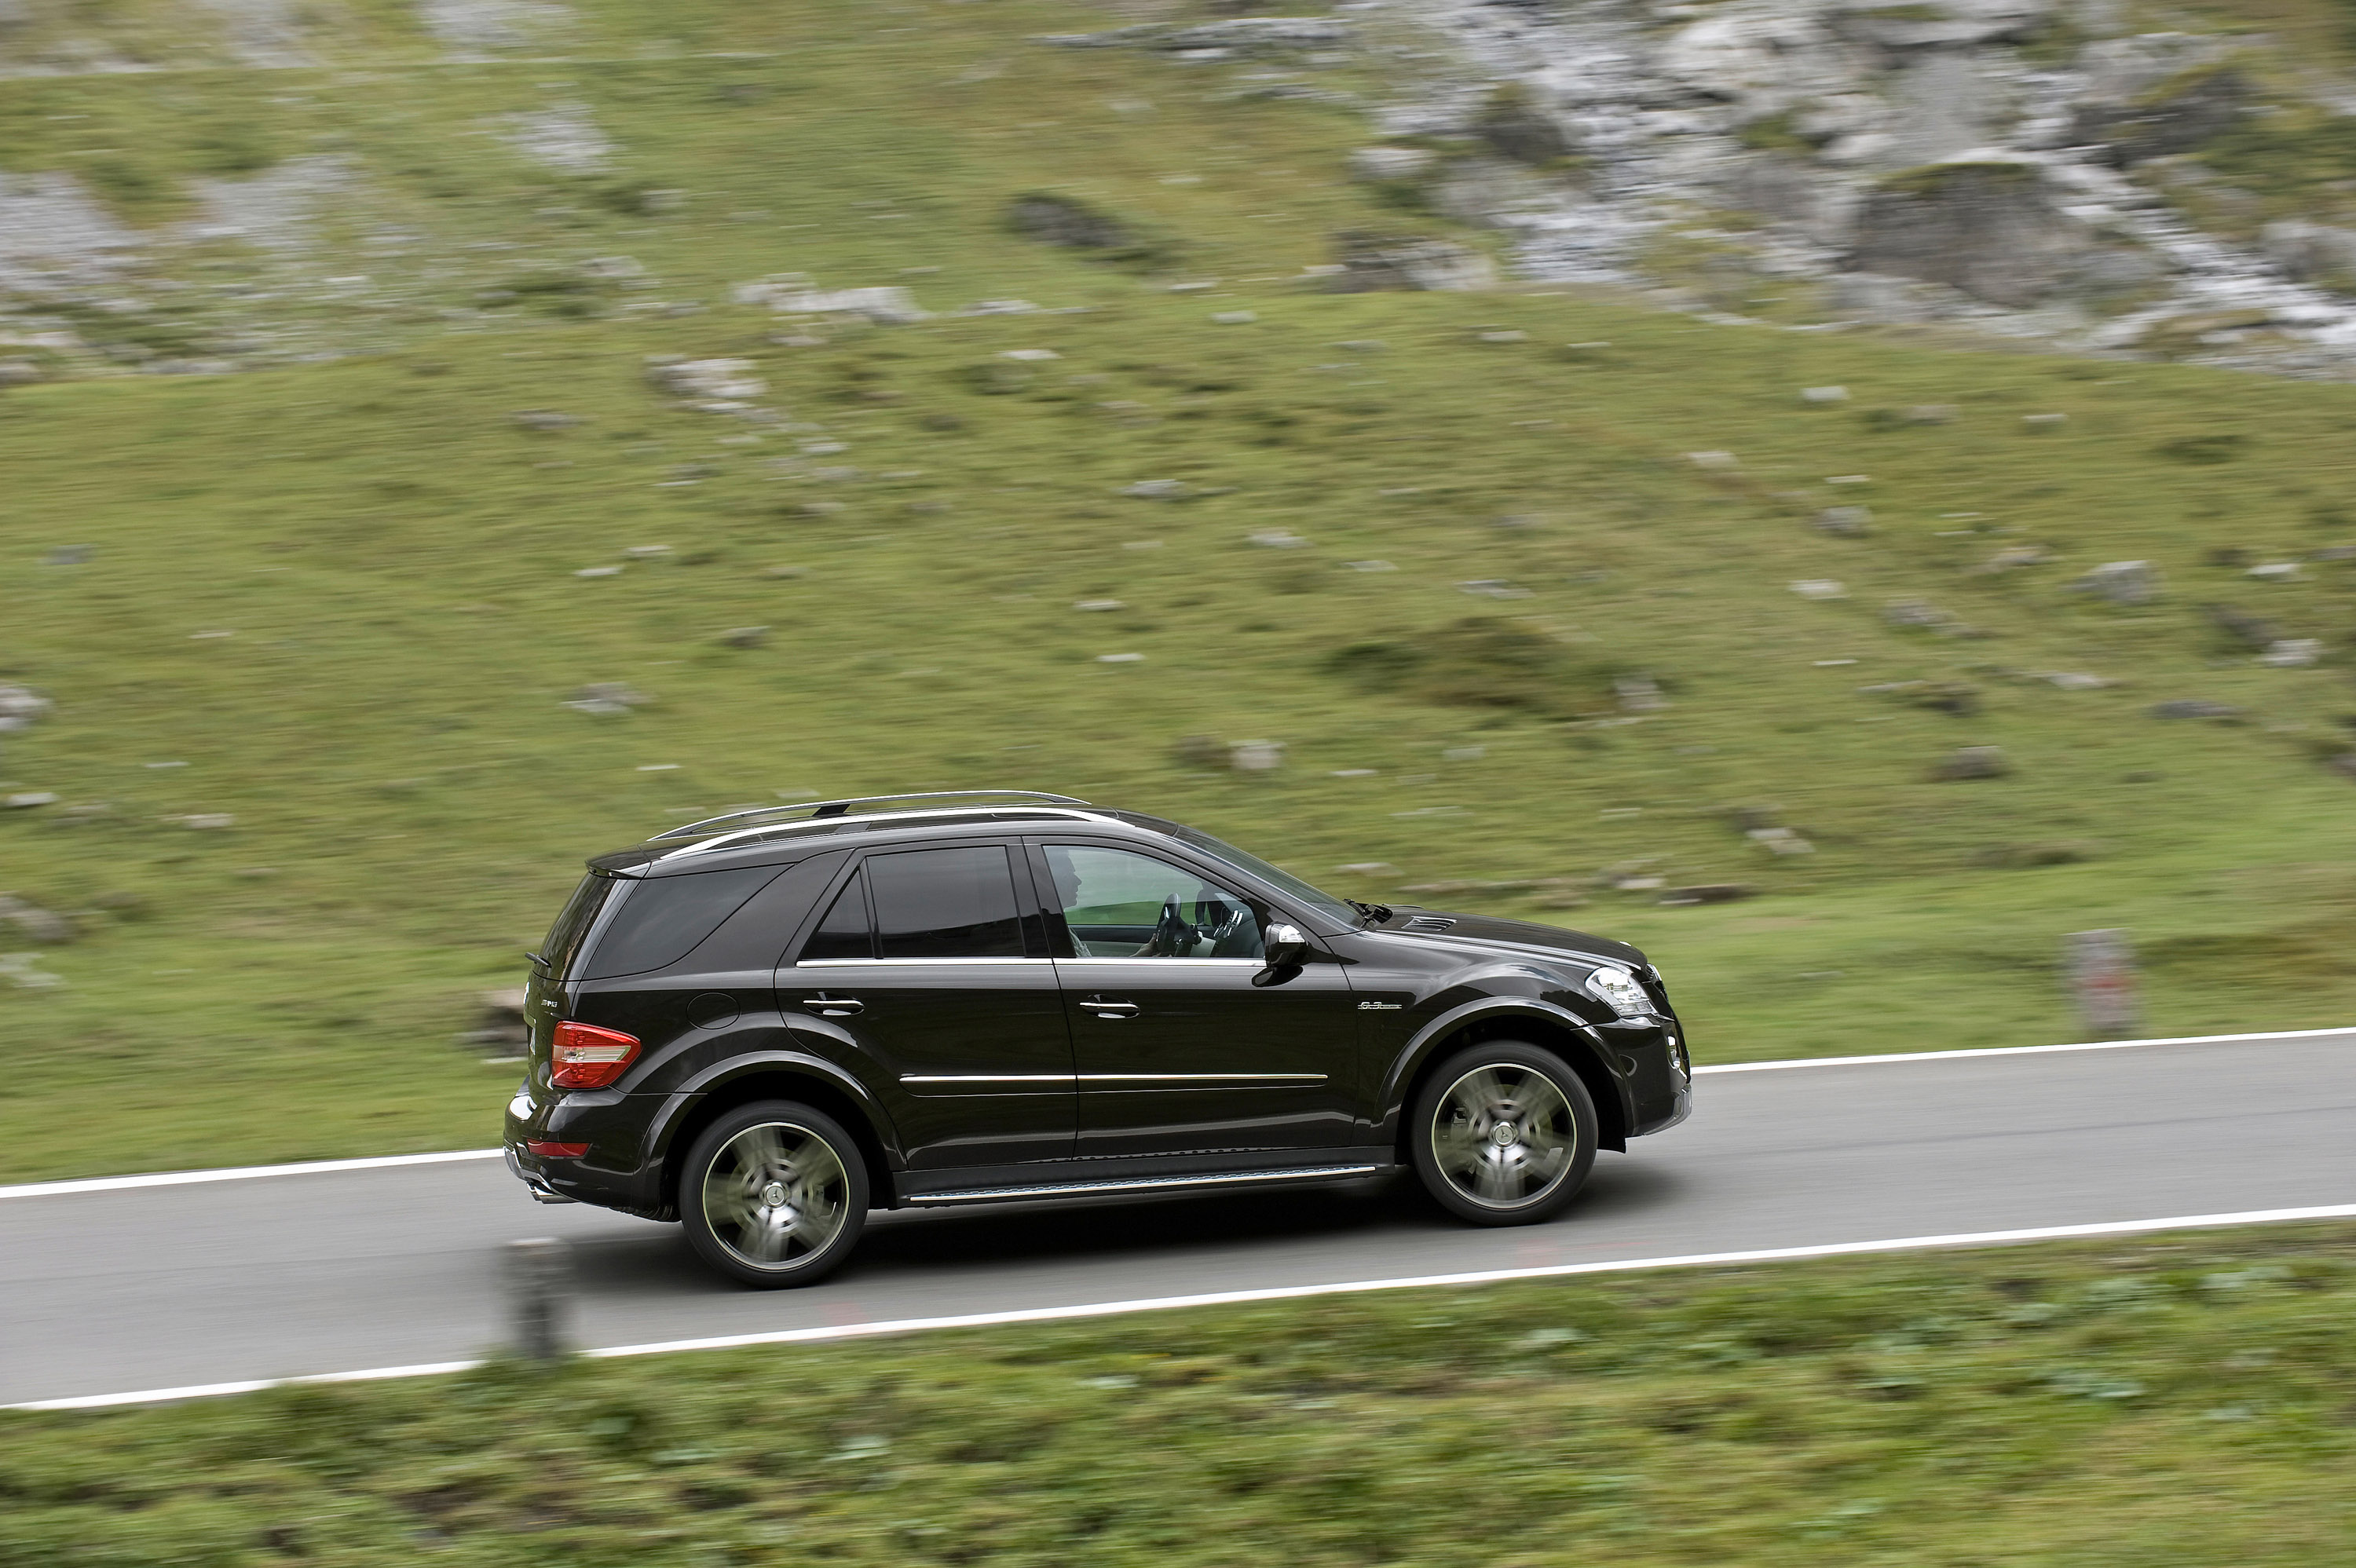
(339, 604)
(2179, 1401)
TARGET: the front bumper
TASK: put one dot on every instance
(1650, 1056)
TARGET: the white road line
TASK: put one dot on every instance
(2014, 1050)
(319, 1166)
(241, 1173)
(1240, 1297)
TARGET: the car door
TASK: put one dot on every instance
(1180, 1045)
(924, 958)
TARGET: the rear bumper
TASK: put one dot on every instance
(614, 1174)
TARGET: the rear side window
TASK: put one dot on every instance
(580, 913)
(844, 933)
(664, 917)
(946, 903)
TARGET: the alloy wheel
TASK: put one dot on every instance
(1504, 1136)
(775, 1195)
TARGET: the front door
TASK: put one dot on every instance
(925, 959)
(1176, 1050)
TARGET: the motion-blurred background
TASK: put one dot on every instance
(1842, 495)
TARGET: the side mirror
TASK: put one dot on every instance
(1284, 945)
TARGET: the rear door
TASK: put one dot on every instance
(1177, 1050)
(924, 958)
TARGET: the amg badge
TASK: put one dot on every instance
(1378, 1007)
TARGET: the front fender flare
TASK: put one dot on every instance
(1426, 1040)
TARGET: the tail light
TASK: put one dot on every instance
(557, 1151)
(587, 1057)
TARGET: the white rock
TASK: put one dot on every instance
(1383, 164)
(2292, 653)
(1824, 394)
(1256, 756)
(1820, 588)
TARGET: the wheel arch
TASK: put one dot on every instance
(818, 1084)
(1551, 1028)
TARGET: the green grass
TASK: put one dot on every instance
(2178, 1401)
(395, 557)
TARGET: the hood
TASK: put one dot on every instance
(1510, 933)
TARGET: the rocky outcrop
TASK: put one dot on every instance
(1987, 228)
(1377, 261)
(2313, 252)
(2177, 116)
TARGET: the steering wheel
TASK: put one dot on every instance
(1173, 935)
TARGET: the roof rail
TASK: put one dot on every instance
(818, 808)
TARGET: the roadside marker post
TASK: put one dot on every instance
(2102, 972)
(539, 1296)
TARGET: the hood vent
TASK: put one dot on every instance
(1431, 924)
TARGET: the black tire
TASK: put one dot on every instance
(1525, 1175)
(772, 1211)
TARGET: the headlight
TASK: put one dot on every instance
(1620, 988)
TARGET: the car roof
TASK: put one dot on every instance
(780, 843)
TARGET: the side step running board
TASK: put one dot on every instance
(1144, 1184)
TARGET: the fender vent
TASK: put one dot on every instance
(1429, 924)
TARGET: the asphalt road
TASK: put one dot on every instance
(287, 1275)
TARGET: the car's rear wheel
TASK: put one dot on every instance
(773, 1194)
(1503, 1133)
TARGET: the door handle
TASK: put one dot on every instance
(828, 1007)
(1110, 1012)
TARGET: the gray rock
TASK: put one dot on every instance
(2194, 708)
(1971, 762)
(1706, 893)
(72, 555)
(2177, 117)
(1822, 204)
(1383, 166)
(19, 373)
(607, 697)
(1988, 228)
(500, 1021)
(1845, 522)
(1941, 24)
(884, 307)
(1200, 752)
(2122, 583)
(730, 380)
(1516, 125)
(1256, 756)
(2292, 653)
(19, 707)
(2313, 252)
(746, 636)
(1373, 262)
(2117, 72)
(544, 419)
(1066, 220)
(28, 800)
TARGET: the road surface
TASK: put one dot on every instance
(165, 1287)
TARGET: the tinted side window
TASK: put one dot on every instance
(573, 923)
(946, 903)
(754, 938)
(844, 933)
(663, 917)
(1119, 905)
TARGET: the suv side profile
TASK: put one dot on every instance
(766, 1024)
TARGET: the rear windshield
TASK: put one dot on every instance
(665, 917)
(563, 944)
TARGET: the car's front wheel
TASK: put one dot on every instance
(1503, 1133)
(773, 1194)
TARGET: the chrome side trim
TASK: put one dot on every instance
(904, 963)
(1148, 1184)
(1304, 1078)
(986, 1078)
(1246, 963)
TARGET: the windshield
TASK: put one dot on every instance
(1275, 876)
